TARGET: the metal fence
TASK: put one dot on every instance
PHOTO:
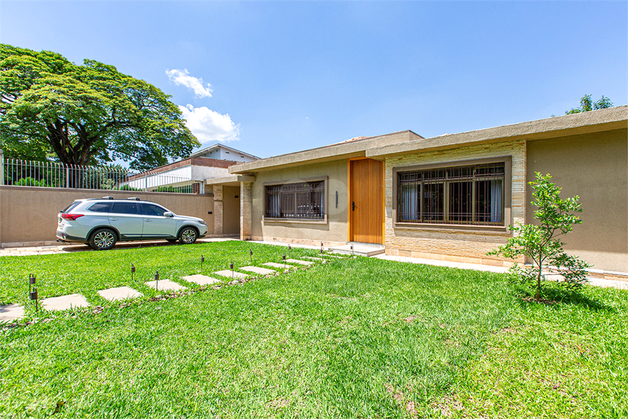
(58, 175)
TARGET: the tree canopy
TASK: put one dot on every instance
(587, 104)
(85, 114)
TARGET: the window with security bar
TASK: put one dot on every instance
(296, 200)
(453, 195)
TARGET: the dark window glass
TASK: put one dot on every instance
(453, 195)
(101, 207)
(125, 208)
(149, 209)
(296, 200)
(70, 207)
(433, 202)
(460, 202)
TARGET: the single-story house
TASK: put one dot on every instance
(449, 197)
(189, 174)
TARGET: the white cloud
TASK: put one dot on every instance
(208, 125)
(182, 77)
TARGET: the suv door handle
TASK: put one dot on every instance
(113, 219)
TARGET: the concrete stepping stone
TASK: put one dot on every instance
(11, 312)
(300, 262)
(258, 270)
(201, 279)
(165, 285)
(119, 293)
(231, 274)
(64, 302)
(315, 258)
(279, 265)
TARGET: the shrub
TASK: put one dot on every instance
(541, 243)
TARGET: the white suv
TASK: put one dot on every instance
(102, 222)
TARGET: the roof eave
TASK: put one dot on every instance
(332, 152)
(587, 122)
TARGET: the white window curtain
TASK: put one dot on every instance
(410, 202)
(496, 201)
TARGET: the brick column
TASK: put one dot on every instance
(246, 198)
(218, 209)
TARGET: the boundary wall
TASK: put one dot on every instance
(28, 215)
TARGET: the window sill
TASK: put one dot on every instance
(267, 220)
(454, 228)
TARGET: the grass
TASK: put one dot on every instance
(86, 272)
(349, 338)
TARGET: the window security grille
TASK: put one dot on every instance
(455, 195)
(296, 200)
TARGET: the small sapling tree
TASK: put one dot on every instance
(541, 242)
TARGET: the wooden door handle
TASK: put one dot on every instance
(353, 205)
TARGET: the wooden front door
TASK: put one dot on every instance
(366, 201)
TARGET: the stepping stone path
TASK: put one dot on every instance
(258, 270)
(165, 285)
(201, 279)
(64, 302)
(119, 293)
(300, 262)
(279, 265)
(11, 312)
(231, 274)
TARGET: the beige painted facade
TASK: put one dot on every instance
(587, 154)
(462, 244)
(332, 231)
(594, 167)
(29, 214)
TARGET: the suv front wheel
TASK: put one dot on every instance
(102, 239)
(188, 235)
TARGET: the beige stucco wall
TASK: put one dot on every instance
(594, 167)
(331, 233)
(468, 245)
(29, 214)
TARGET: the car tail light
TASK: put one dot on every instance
(71, 216)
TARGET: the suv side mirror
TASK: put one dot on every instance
(168, 214)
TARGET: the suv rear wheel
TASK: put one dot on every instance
(102, 239)
(188, 235)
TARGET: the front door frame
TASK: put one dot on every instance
(350, 199)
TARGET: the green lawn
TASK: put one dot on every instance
(349, 338)
(86, 272)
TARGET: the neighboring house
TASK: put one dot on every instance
(207, 163)
(449, 197)
(220, 151)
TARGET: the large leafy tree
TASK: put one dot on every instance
(85, 114)
(587, 104)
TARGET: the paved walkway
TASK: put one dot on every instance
(73, 248)
(593, 280)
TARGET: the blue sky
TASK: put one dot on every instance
(279, 77)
